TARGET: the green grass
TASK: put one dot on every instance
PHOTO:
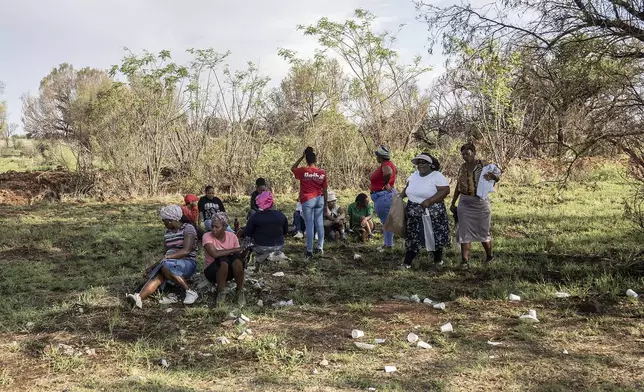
(65, 268)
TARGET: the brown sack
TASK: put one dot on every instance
(396, 221)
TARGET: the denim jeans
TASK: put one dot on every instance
(298, 222)
(314, 219)
(382, 203)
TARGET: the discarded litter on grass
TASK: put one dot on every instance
(356, 333)
(428, 301)
(414, 298)
(356, 256)
(379, 341)
(631, 293)
(561, 294)
(440, 305)
(491, 343)
(412, 337)
(278, 274)
(424, 345)
(390, 369)
(447, 327)
(514, 297)
(365, 346)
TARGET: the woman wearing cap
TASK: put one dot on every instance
(383, 191)
(313, 193)
(266, 228)
(473, 212)
(334, 218)
(179, 261)
(190, 209)
(426, 191)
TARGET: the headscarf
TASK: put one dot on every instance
(383, 152)
(171, 212)
(264, 200)
(220, 217)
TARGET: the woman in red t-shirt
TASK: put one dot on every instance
(313, 195)
(382, 189)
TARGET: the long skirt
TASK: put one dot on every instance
(415, 240)
(474, 220)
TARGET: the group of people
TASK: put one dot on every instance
(318, 214)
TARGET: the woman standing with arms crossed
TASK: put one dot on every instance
(473, 212)
(383, 191)
(313, 196)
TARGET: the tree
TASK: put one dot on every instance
(59, 109)
(378, 77)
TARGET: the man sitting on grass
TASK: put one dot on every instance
(179, 262)
(225, 259)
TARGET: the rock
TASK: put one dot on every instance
(90, 351)
(565, 352)
(228, 323)
(81, 310)
(260, 303)
(324, 362)
(591, 306)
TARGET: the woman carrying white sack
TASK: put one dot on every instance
(476, 179)
(426, 191)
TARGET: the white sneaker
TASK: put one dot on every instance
(191, 297)
(298, 235)
(135, 299)
(316, 236)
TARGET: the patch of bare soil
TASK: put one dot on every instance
(24, 188)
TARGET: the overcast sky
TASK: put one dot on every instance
(37, 35)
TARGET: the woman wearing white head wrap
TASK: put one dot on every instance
(179, 261)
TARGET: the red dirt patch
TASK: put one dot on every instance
(23, 188)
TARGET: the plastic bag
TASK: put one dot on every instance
(396, 220)
(430, 241)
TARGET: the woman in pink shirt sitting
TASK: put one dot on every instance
(225, 259)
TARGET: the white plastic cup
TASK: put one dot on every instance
(532, 313)
(356, 333)
(415, 298)
(561, 294)
(379, 341)
(447, 327)
(631, 293)
(424, 345)
(513, 297)
(365, 346)
(412, 337)
(440, 305)
(390, 369)
(428, 301)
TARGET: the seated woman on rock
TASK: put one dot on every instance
(225, 259)
(266, 228)
(179, 262)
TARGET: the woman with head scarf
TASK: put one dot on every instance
(383, 191)
(473, 212)
(225, 258)
(313, 196)
(266, 228)
(426, 191)
(179, 262)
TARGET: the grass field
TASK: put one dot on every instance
(65, 269)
